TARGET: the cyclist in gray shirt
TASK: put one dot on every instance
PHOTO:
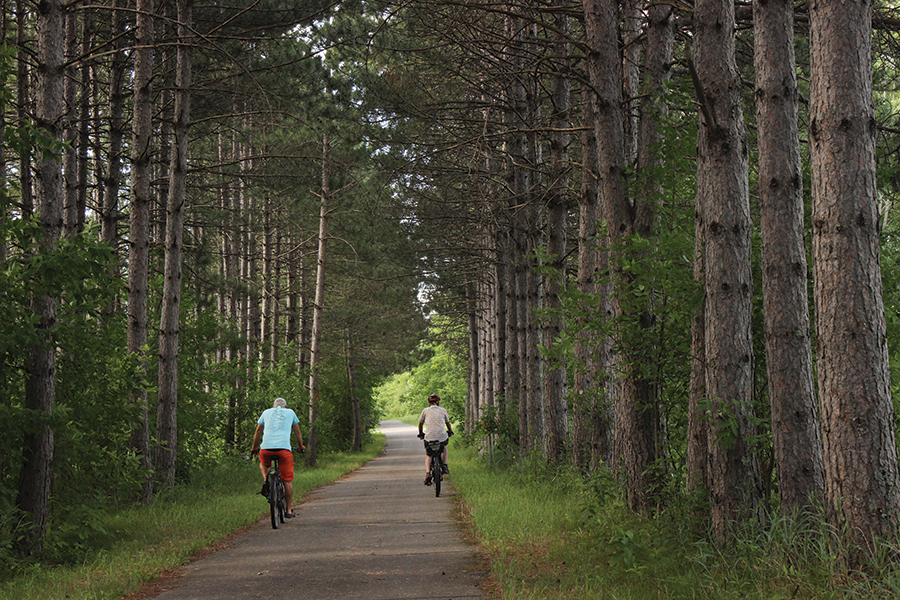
(437, 429)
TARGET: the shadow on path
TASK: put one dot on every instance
(378, 534)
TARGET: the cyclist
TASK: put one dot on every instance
(437, 425)
(273, 440)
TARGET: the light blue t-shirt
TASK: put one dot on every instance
(277, 423)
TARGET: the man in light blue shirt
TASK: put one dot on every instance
(273, 440)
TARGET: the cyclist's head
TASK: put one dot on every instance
(434, 399)
(280, 402)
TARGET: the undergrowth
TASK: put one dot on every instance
(552, 534)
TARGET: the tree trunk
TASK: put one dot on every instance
(167, 407)
(635, 410)
(697, 451)
(722, 193)
(795, 423)
(40, 366)
(318, 306)
(139, 229)
(522, 341)
(534, 364)
(517, 183)
(303, 319)
(512, 376)
(632, 29)
(292, 290)
(586, 378)
(84, 107)
(71, 124)
(557, 208)
(276, 329)
(354, 397)
(861, 478)
(534, 288)
(267, 285)
(500, 298)
(109, 215)
(654, 109)
(23, 106)
(474, 363)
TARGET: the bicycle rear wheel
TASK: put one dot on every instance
(274, 480)
(437, 475)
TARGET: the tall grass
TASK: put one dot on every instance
(138, 544)
(553, 535)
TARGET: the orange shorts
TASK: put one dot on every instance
(285, 462)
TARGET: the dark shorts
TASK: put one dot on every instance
(285, 462)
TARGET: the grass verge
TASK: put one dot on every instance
(139, 544)
(552, 536)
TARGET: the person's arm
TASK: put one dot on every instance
(257, 437)
(449, 427)
(298, 435)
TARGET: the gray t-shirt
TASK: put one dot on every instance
(435, 419)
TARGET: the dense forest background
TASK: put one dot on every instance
(650, 240)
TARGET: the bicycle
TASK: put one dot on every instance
(274, 493)
(435, 450)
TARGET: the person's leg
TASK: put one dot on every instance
(286, 466)
(263, 468)
(427, 468)
(446, 467)
(289, 496)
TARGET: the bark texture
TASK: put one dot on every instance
(40, 385)
(861, 478)
(167, 406)
(723, 197)
(795, 423)
(139, 227)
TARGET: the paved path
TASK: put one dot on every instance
(378, 534)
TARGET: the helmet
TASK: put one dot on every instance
(434, 398)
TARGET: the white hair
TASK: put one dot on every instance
(280, 402)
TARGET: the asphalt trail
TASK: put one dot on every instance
(378, 534)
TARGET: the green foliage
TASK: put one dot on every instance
(406, 394)
(91, 421)
(651, 333)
